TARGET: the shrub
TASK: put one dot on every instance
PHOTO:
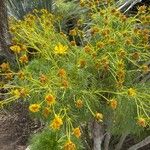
(68, 84)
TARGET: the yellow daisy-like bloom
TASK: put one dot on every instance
(77, 132)
(4, 66)
(62, 73)
(16, 93)
(34, 107)
(46, 112)
(57, 122)
(145, 69)
(73, 32)
(141, 122)
(50, 99)
(9, 76)
(24, 92)
(21, 75)
(113, 104)
(79, 103)
(23, 48)
(82, 63)
(99, 117)
(64, 84)
(131, 92)
(60, 49)
(69, 145)
(15, 48)
(43, 79)
(23, 59)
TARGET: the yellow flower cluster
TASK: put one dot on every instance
(141, 122)
(5, 67)
(60, 49)
(113, 103)
(79, 103)
(69, 145)
(99, 117)
(132, 92)
(57, 122)
(50, 99)
(77, 132)
(34, 107)
(15, 48)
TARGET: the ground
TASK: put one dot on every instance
(16, 126)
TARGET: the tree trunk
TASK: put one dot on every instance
(4, 34)
(97, 134)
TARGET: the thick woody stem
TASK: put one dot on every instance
(121, 141)
(97, 134)
(107, 141)
(140, 144)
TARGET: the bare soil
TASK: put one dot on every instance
(16, 126)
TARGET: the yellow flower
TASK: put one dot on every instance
(64, 84)
(23, 92)
(145, 68)
(121, 53)
(62, 73)
(135, 55)
(23, 59)
(34, 107)
(77, 132)
(100, 45)
(15, 48)
(99, 117)
(57, 122)
(69, 145)
(46, 112)
(23, 47)
(131, 92)
(113, 103)
(87, 49)
(73, 32)
(82, 63)
(16, 93)
(141, 122)
(73, 43)
(9, 76)
(79, 103)
(21, 75)
(60, 49)
(4, 67)
(142, 9)
(50, 99)
(43, 79)
(120, 64)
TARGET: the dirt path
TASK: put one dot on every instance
(9, 140)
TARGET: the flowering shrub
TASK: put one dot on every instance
(68, 84)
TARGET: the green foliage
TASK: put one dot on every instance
(68, 84)
(47, 140)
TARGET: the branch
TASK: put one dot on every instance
(140, 144)
(121, 141)
(107, 141)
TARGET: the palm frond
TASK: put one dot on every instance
(125, 5)
(19, 8)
